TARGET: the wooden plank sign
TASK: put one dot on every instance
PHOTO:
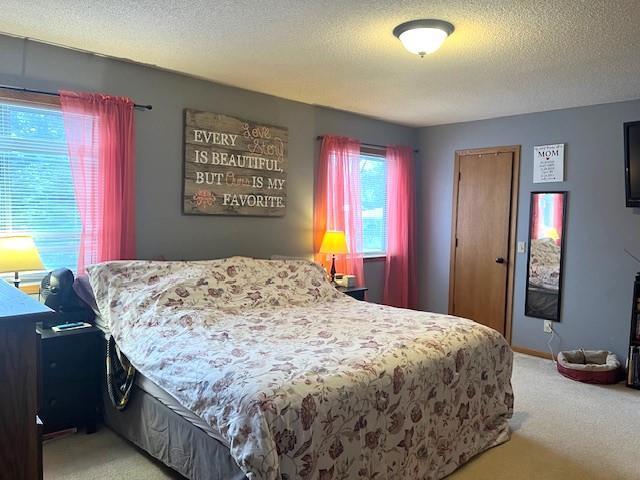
(233, 166)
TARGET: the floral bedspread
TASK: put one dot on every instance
(544, 268)
(301, 381)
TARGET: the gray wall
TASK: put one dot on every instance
(161, 228)
(597, 286)
(598, 280)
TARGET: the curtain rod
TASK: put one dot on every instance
(370, 145)
(54, 94)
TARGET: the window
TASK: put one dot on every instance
(36, 189)
(373, 193)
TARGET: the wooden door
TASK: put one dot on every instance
(483, 236)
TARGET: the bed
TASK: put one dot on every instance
(262, 369)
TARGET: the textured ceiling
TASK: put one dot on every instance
(505, 57)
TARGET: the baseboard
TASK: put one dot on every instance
(534, 353)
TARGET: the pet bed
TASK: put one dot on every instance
(589, 366)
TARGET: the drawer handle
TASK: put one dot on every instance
(53, 365)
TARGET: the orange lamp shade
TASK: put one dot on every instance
(19, 254)
(334, 242)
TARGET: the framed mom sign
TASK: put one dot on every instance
(548, 163)
(233, 166)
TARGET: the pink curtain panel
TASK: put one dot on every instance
(100, 132)
(337, 203)
(400, 281)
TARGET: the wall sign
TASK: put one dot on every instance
(548, 163)
(233, 166)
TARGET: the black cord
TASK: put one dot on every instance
(632, 255)
(118, 393)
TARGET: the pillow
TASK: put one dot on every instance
(82, 288)
(230, 284)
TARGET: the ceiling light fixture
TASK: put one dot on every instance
(423, 37)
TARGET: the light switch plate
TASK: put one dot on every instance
(522, 247)
(548, 328)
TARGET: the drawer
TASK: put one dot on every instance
(359, 295)
(68, 405)
(64, 360)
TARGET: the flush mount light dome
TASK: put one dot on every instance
(423, 37)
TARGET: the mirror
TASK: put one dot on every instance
(546, 245)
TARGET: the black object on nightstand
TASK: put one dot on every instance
(71, 370)
(355, 292)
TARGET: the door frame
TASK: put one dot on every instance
(513, 224)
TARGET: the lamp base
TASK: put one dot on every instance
(333, 269)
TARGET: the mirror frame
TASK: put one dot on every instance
(565, 197)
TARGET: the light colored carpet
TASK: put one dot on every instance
(562, 430)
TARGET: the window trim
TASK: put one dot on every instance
(373, 151)
(380, 153)
(30, 97)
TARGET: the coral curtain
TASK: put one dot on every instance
(337, 204)
(400, 280)
(100, 133)
(558, 211)
(547, 216)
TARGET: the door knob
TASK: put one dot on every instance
(499, 260)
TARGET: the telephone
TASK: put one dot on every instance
(56, 289)
(345, 281)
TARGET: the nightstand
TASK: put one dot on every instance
(71, 366)
(355, 292)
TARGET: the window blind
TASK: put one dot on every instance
(373, 193)
(36, 189)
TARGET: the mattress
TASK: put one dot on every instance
(101, 323)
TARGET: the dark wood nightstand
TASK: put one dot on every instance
(71, 372)
(355, 292)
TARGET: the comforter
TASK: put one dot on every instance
(301, 381)
(544, 266)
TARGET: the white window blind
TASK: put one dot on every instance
(36, 189)
(373, 193)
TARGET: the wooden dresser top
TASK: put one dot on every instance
(15, 304)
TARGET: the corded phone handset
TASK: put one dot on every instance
(56, 289)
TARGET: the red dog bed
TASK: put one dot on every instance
(590, 366)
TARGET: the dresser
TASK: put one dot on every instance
(20, 446)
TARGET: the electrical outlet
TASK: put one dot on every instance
(522, 247)
(547, 326)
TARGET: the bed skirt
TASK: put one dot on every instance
(171, 439)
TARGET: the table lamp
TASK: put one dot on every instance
(552, 233)
(19, 254)
(334, 242)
